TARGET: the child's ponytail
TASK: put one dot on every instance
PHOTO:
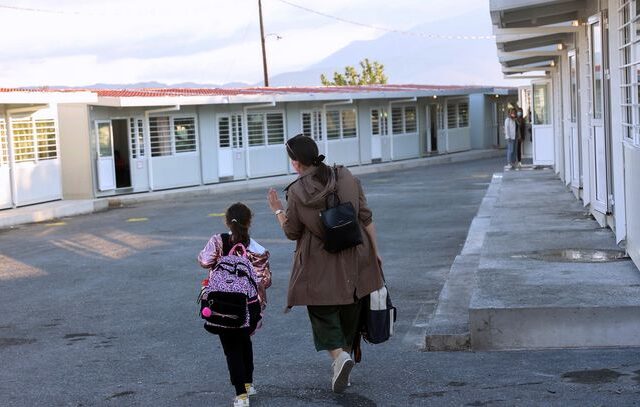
(238, 218)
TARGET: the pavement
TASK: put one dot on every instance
(49, 211)
(99, 310)
(536, 272)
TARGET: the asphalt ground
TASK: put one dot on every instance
(100, 310)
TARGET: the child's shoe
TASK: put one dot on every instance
(241, 401)
(251, 391)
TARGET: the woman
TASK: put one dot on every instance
(329, 284)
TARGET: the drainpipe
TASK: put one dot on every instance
(147, 139)
(12, 158)
(324, 123)
(245, 134)
(390, 119)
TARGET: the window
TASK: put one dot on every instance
(410, 119)
(33, 140)
(333, 125)
(4, 145)
(597, 68)
(230, 131)
(255, 125)
(396, 121)
(46, 134)
(379, 122)
(540, 105)
(341, 124)
(452, 116)
(184, 130)
(403, 120)
(629, 35)
(136, 132)
(160, 136)
(312, 124)
(265, 129)
(349, 123)
(573, 87)
(172, 135)
(463, 115)
(275, 128)
(224, 132)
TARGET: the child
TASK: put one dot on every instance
(237, 344)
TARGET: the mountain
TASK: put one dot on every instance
(153, 84)
(414, 58)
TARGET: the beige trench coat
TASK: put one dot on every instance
(319, 277)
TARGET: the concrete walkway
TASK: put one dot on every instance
(59, 209)
(511, 287)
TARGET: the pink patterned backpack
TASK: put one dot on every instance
(229, 298)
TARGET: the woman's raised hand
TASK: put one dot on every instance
(274, 200)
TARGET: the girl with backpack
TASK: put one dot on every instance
(236, 343)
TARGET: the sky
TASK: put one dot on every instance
(83, 42)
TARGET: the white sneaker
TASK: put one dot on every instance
(238, 402)
(251, 391)
(341, 369)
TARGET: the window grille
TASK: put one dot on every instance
(341, 124)
(184, 134)
(275, 128)
(255, 127)
(375, 122)
(224, 133)
(312, 124)
(452, 116)
(396, 121)
(23, 140)
(46, 134)
(349, 123)
(4, 145)
(172, 135)
(463, 115)
(410, 120)
(141, 146)
(136, 132)
(629, 54)
(236, 130)
(333, 124)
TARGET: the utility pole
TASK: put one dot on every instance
(264, 52)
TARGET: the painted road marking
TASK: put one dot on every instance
(137, 219)
(215, 215)
(56, 224)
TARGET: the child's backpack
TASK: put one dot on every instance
(229, 298)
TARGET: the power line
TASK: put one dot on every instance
(391, 30)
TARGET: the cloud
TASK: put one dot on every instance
(79, 42)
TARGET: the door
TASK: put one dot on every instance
(542, 124)
(225, 150)
(432, 127)
(138, 157)
(121, 152)
(105, 160)
(598, 128)
(574, 136)
(379, 130)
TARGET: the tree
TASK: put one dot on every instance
(371, 74)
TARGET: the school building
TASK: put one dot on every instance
(96, 143)
(583, 57)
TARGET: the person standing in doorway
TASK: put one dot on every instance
(330, 285)
(521, 130)
(510, 136)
